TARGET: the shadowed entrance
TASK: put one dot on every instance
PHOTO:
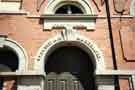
(8, 63)
(69, 68)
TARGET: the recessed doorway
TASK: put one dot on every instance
(8, 63)
(69, 68)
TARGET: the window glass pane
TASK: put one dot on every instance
(69, 9)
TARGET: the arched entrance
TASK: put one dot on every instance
(69, 68)
(72, 39)
(75, 68)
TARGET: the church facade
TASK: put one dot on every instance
(67, 45)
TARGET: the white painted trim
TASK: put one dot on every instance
(19, 50)
(80, 21)
(19, 12)
(103, 73)
(53, 4)
(97, 17)
(116, 72)
(55, 22)
(76, 40)
(10, 6)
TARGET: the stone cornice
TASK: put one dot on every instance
(76, 20)
(82, 16)
(65, 16)
(106, 73)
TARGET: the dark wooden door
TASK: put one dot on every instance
(64, 81)
(69, 68)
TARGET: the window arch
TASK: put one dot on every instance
(53, 5)
(18, 53)
(62, 13)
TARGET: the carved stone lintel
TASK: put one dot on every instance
(55, 21)
(67, 33)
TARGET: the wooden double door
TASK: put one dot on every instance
(67, 81)
(69, 68)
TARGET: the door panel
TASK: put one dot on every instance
(76, 84)
(73, 70)
(51, 82)
(63, 81)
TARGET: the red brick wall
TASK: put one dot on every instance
(28, 31)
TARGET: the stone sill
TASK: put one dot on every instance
(19, 12)
(102, 73)
(30, 73)
(69, 17)
(116, 72)
(90, 16)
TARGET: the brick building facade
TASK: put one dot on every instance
(90, 38)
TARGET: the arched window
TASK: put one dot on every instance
(69, 9)
(8, 60)
(12, 55)
(77, 14)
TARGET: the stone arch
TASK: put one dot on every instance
(54, 4)
(71, 39)
(19, 51)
